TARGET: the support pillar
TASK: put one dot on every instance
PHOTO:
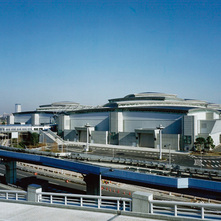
(33, 189)
(10, 172)
(92, 184)
(140, 202)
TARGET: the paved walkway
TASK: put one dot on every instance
(146, 149)
(24, 212)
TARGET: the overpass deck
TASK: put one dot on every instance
(26, 212)
(93, 172)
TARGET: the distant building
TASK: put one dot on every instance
(133, 120)
(44, 115)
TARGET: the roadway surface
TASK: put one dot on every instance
(123, 151)
(173, 157)
(51, 182)
(24, 212)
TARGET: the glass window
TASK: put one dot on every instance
(187, 139)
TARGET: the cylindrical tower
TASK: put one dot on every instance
(17, 108)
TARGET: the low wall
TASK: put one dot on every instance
(70, 135)
(100, 137)
(172, 139)
(127, 139)
(205, 185)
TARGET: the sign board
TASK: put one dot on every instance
(182, 183)
(14, 135)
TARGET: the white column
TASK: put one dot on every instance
(33, 189)
(141, 202)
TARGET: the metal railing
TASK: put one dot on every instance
(156, 207)
(13, 195)
(100, 202)
(55, 136)
(185, 209)
(9, 128)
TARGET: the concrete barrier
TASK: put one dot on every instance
(32, 195)
(140, 202)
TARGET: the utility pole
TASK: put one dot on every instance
(160, 144)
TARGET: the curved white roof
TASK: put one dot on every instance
(157, 99)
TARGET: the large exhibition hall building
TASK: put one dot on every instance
(134, 120)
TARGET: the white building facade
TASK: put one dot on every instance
(134, 119)
(131, 121)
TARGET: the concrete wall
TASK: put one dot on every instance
(70, 135)
(206, 126)
(216, 132)
(35, 119)
(121, 126)
(10, 119)
(197, 117)
(100, 121)
(188, 136)
(216, 138)
(116, 122)
(22, 118)
(45, 118)
(100, 137)
(127, 139)
(134, 120)
(114, 138)
(63, 122)
(172, 139)
(140, 202)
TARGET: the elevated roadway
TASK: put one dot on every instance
(92, 173)
(19, 212)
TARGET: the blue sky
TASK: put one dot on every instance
(91, 51)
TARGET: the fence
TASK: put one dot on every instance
(35, 194)
(13, 195)
(186, 209)
(100, 202)
(140, 203)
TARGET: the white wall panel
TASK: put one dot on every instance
(206, 126)
(135, 120)
(98, 120)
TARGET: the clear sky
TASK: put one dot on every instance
(91, 51)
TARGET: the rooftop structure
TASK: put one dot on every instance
(158, 99)
(64, 106)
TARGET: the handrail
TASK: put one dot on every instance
(8, 128)
(13, 195)
(54, 135)
(208, 205)
(185, 208)
(85, 196)
(156, 207)
(101, 202)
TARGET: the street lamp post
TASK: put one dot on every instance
(100, 186)
(160, 146)
(168, 145)
(87, 144)
(170, 155)
(100, 179)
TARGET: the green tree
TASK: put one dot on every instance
(34, 138)
(204, 144)
(209, 143)
(200, 143)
